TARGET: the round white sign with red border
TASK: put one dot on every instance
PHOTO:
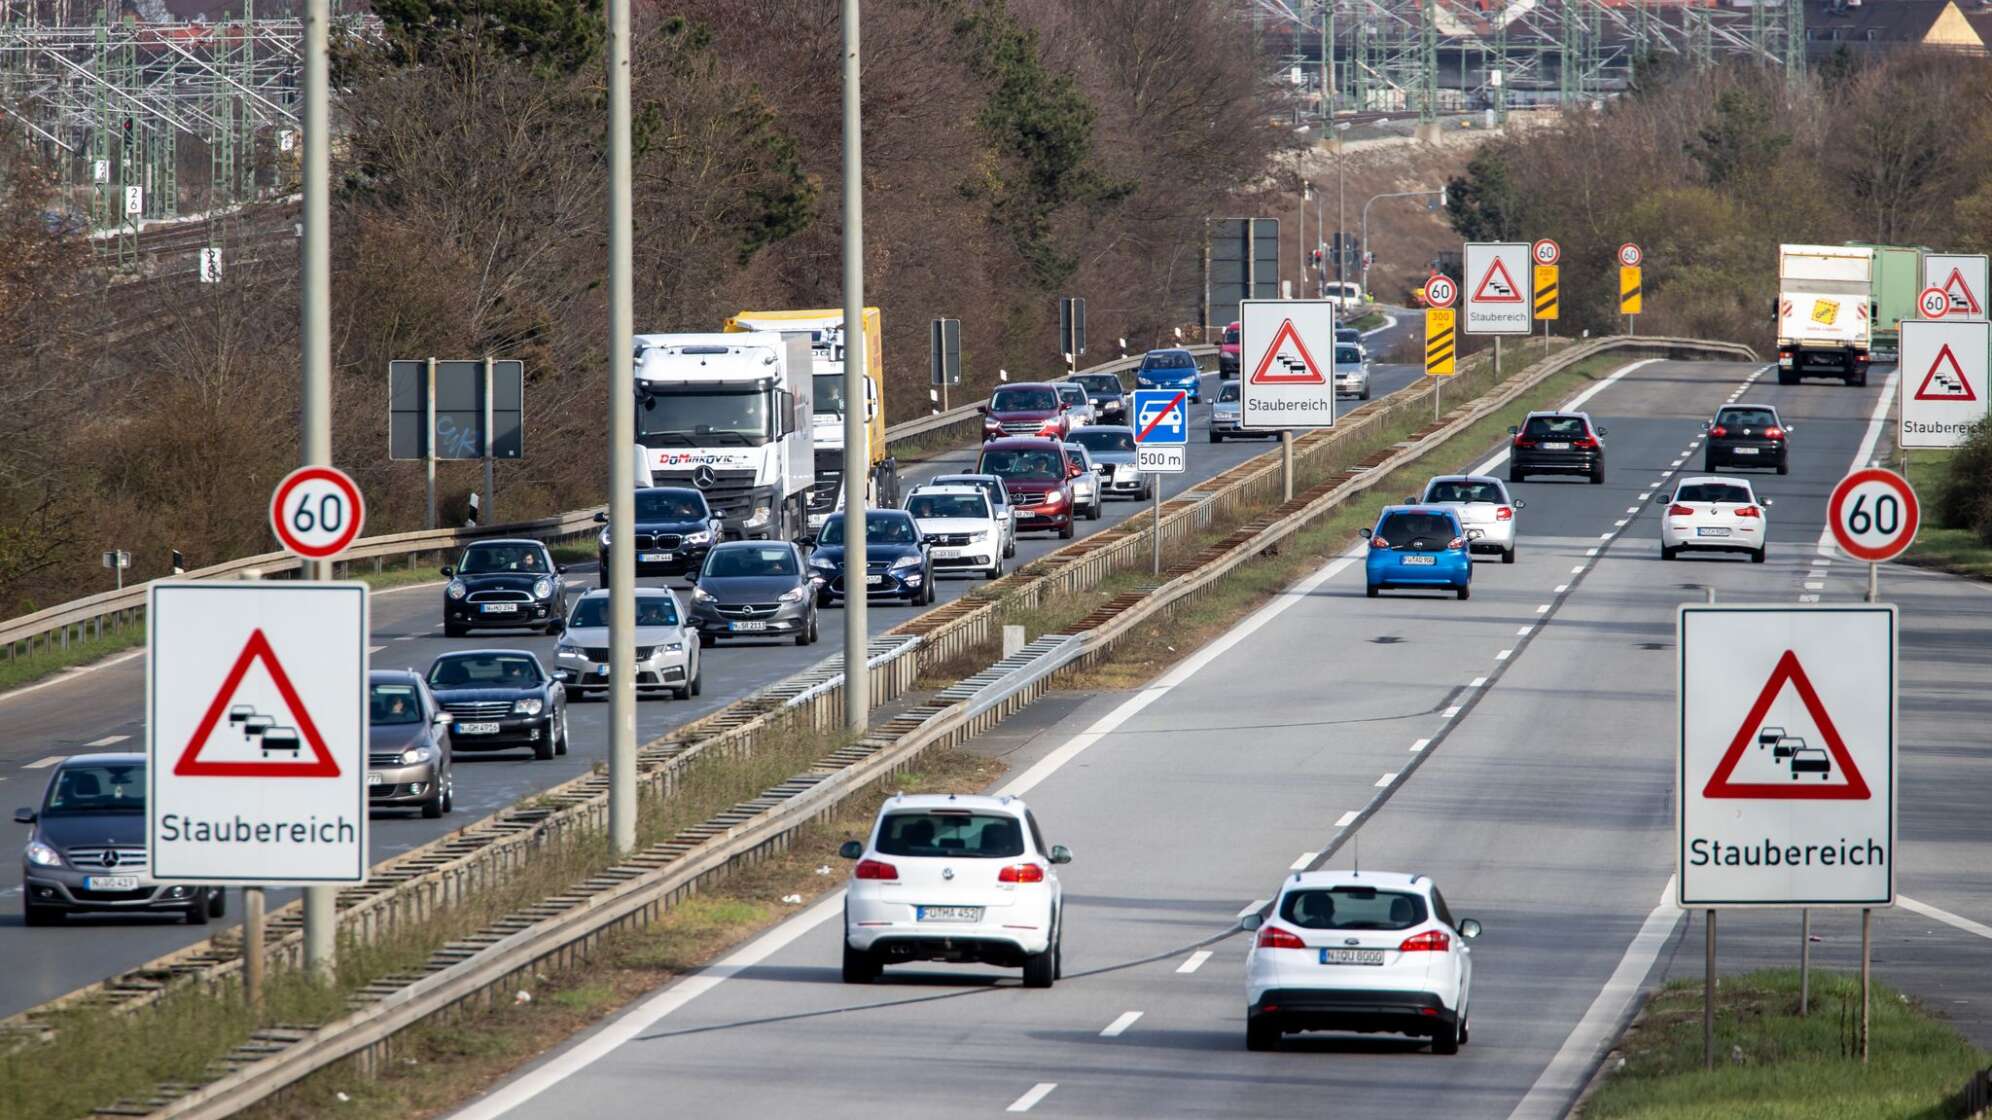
(316, 512)
(1934, 303)
(1440, 291)
(1873, 515)
(1547, 251)
(1630, 256)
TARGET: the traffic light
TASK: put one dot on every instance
(130, 133)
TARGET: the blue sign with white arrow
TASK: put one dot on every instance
(1161, 417)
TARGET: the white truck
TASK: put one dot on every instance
(730, 414)
(1825, 311)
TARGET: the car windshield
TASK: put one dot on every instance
(1104, 439)
(880, 528)
(1404, 530)
(1231, 335)
(1352, 908)
(670, 505)
(948, 505)
(1712, 492)
(485, 559)
(750, 560)
(485, 670)
(990, 486)
(1072, 392)
(1458, 490)
(1556, 427)
(1023, 400)
(1348, 334)
(1747, 417)
(651, 610)
(1346, 355)
(1022, 464)
(393, 703)
(1169, 359)
(1102, 384)
(88, 789)
(1076, 456)
(952, 834)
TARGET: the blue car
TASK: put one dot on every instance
(1420, 546)
(1170, 369)
(898, 563)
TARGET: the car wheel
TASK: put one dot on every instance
(815, 628)
(1667, 553)
(1787, 378)
(860, 966)
(1065, 531)
(802, 635)
(552, 626)
(1507, 556)
(432, 809)
(1261, 1034)
(1365, 395)
(1708, 464)
(1372, 590)
(1041, 969)
(560, 745)
(1757, 557)
(995, 570)
(197, 914)
(449, 790)
(1598, 476)
(1093, 511)
(1859, 381)
(1784, 467)
(1464, 591)
(40, 915)
(1215, 438)
(698, 672)
(452, 630)
(543, 747)
(218, 904)
(1465, 1027)
(1515, 475)
(706, 640)
(1447, 1040)
(1010, 548)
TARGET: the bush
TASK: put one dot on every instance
(1965, 502)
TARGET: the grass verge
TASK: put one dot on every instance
(26, 669)
(1773, 1065)
(1366, 320)
(1958, 551)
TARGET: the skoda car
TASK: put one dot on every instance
(756, 589)
(947, 877)
(408, 745)
(1352, 372)
(667, 653)
(1557, 443)
(961, 527)
(1713, 514)
(1483, 503)
(897, 564)
(1174, 368)
(511, 584)
(1419, 547)
(674, 529)
(501, 699)
(1112, 449)
(86, 847)
(1361, 951)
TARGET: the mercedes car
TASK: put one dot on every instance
(501, 699)
(86, 848)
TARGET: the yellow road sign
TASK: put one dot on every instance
(1546, 285)
(1629, 300)
(1440, 340)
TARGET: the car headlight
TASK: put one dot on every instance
(41, 855)
(792, 595)
(701, 595)
(1054, 498)
(703, 536)
(543, 587)
(823, 562)
(978, 536)
(602, 538)
(415, 756)
(455, 590)
(760, 516)
(674, 647)
(530, 706)
(906, 562)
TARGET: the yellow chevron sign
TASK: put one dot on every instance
(1547, 300)
(1629, 301)
(1440, 341)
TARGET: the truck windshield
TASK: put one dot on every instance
(693, 416)
(829, 394)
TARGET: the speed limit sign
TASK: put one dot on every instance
(1547, 251)
(316, 512)
(1440, 291)
(1630, 256)
(1935, 303)
(1873, 515)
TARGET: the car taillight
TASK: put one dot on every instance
(1431, 941)
(1861, 359)
(875, 869)
(1718, 431)
(1773, 433)
(1505, 513)
(1678, 510)
(1587, 443)
(1379, 542)
(1273, 937)
(1748, 511)
(1021, 873)
(1521, 442)
(1456, 542)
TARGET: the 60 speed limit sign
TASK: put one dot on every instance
(317, 511)
(1873, 515)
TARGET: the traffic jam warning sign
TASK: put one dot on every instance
(1944, 375)
(256, 732)
(1961, 277)
(1285, 350)
(1786, 770)
(1495, 301)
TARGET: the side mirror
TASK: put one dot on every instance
(1602, 432)
(983, 409)
(851, 849)
(448, 571)
(1469, 929)
(1519, 504)
(1410, 499)
(24, 816)
(560, 569)
(1251, 922)
(1061, 854)
(1769, 502)
(1514, 431)
(1365, 533)
(602, 518)
(444, 719)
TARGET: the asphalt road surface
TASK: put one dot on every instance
(1518, 747)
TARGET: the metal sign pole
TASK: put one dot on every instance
(622, 433)
(1286, 466)
(1497, 357)
(320, 903)
(1874, 583)
(1708, 994)
(1156, 532)
(252, 947)
(857, 681)
(1438, 383)
(490, 471)
(1867, 973)
(1804, 961)
(429, 439)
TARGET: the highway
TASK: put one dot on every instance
(1518, 747)
(101, 709)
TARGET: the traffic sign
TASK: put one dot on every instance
(1546, 251)
(1786, 769)
(1933, 303)
(1161, 416)
(1440, 291)
(1944, 375)
(1630, 299)
(1441, 341)
(1495, 302)
(1166, 459)
(1630, 256)
(1961, 277)
(256, 732)
(1548, 303)
(316, 512)
(1873, 515)
(1286, 350)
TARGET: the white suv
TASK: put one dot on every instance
(1358, 951)
(954, 878)
(962, 527)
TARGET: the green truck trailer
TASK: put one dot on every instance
(1898, 280)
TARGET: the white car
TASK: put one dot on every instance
(1346, 295)
(1483, 503)
(1359, 951)
(1713, 513)
(667, 654)
(961, 526)
(1086, 493)
(948, 877)
(1352, 372)
(999, 500)
(1353, 337)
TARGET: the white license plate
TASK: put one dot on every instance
(474, 728)
(1711, 532)
(1743, 450)
(656, 558)
(376, 778)
(748, 625)
(500, 608)
(1556, 447)
(874, 581)
(948, 913)
(1421, 559)
(110, 882)
(1352, 956)
(948, 553)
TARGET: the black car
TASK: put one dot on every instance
(755, 589)
(1746, 435)
(408, 745)
(897, 563)
(508, 583)
(674, 530)
(1557, 443)
(86, 848)
(501, 699)
(1109, 399)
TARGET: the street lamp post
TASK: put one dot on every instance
(1440, 194)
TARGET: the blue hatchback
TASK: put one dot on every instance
(1420, 546)
(1170, 369)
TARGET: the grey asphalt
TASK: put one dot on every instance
(84, 709)
(1535, 724)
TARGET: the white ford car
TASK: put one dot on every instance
(946, 877)
(1359, 951)
(962, 527)
(1483, 503)
(1711, 513)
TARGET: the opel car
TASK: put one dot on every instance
(86, 848)
(756, 589)
(1104, 392)
(667, 651)
(501, 699)
(1714, 514)
(1420, 547)
(1113, 453)
(1087, 493)
(408, 745)
(999, 501)
(1039, 480)
(674, 528)
(1556, 443)
(1367, 951)
(948, 877)
(897, 564)
(1483, 503)
(961, 526)
(1024, 409)
(1747, 435)
(1174, 368)
(512, 584)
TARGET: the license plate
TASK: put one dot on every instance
(1421, 559)
(947, 913)
(656, 558)
(500, 608)
(1352, 956)
(1743, 450)
(110, 882)
(474, 728)
(376, 778)
(874, 581)
(1556, 447)
(1711, 532)
(748, 625)
(947, 553)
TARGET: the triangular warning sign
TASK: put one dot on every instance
(1497, 286)
(1962, 298)
(1281, 368)
(1754, 734)
(281, 745)
(1946, 380)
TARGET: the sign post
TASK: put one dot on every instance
(944, 355)
(1161, 446)
(1548, 277)
(1441, 334)
(1873, 515)
(457, 410)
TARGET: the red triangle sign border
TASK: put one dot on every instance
(1480, 291)
(1971, 303)
(1946, 355)
(1285, 333)
(1788, 670)
(257, 648)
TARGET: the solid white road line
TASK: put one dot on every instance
(1301, 863)
(71, 674)
(1254, 907)
(1119, 1026)
(1195, 962)
(1415, 748)
(1825, 546)
(1029, 1100)
(1566, 1073)
(1946, 917)
(44, 763)
(107, 740)
(1349, 818)
(1385, 780)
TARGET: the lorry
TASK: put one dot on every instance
(1898, 280)
(1824, 311)
(823, 330)
(730, 413)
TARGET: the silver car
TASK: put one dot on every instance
(1112, 449)
(1227, 416)
(1086, 484)
(667, 654)
(1352, 371)
(1483, 503)
(1079, 410)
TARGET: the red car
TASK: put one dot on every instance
(1227, 353)
(1025, 409)
(1038, 477)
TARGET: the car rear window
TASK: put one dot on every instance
(1348, 355)
(1465, 492)
(1556, 427)
(1712, 492)
(1417, 530)
(1352, 908)
(949, 832)
(1746, 417)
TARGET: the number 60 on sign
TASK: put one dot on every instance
(317, 512)
(1873, 515)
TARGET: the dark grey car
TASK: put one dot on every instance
(408, 745)
(85, 850)
(755, 589)
(1112, 449)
